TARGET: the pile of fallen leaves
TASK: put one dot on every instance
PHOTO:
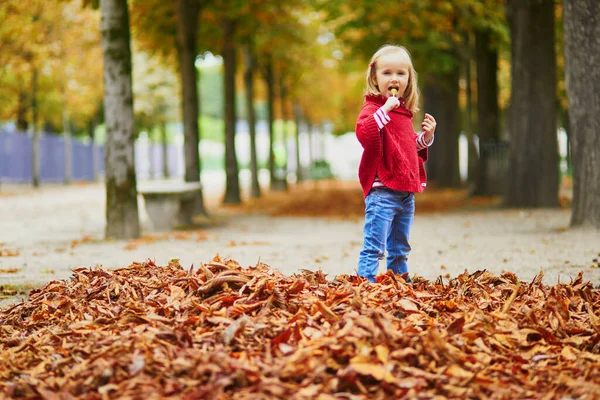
(226, 332)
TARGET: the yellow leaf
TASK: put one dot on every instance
(176, 293)
(451, 305)
(407, 305)
(503, 341)
(403, 353)
(456, 371)
(595, 321)
(569, 353)
(389, 378)
(376, 371)
(324, 396)
(309, 391)
(360, 359)
(382, 353)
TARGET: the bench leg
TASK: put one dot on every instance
(185, 216)
(163, 213)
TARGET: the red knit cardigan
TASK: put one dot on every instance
(390, 153)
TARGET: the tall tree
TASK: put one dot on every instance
(122, 219)
(441, 92)
(251, 115)
(297, 119)
(582, 57)
(485, 20)
(284, 49)
(269, 77)
(35, 141)
(533, 176)
(232, 184)
(171, 30)
(59, 48)
(282, 183)
(488, 111)
(256, 33)
(187, 13)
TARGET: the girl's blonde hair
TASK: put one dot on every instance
(411, 94)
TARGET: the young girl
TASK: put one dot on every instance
(391, 168)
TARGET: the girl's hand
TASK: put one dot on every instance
(390, 104)
(428, 125)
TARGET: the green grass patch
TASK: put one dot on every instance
(14, 290)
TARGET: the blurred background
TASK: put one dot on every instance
(276, 87)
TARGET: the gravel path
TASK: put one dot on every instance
(54, 229)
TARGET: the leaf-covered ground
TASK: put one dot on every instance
(340, 199)
(221, 331)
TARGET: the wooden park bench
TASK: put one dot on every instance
(163, 201)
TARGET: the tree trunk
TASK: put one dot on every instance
(22, 124)
(488, 112)
(311, 158)
(582, 57)
(165, 150)
(232, 185)
(249, 82)
(533, 175)
(187, 12)
(297, 118)
(282, 183)
(443, 95)
(468, 124)
(122, 219)
(94, 122)
(431, 105)
(270, 82)
(35, 143)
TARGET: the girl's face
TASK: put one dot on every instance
(392, 72)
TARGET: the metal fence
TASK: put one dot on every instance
(16, 158)
(87, 160)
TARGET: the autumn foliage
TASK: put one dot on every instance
(221, 331)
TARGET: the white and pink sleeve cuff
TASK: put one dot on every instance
(422, 143)
(381, 118)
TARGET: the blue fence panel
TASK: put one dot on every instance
(52, 158)
(16, 149)
(82, 161)
(15, 157)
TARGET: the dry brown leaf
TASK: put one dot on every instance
(9, 253)
(9, 270)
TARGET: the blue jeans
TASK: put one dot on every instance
(389, 216)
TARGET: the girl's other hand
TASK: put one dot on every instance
(390, 104)
(428, 125)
